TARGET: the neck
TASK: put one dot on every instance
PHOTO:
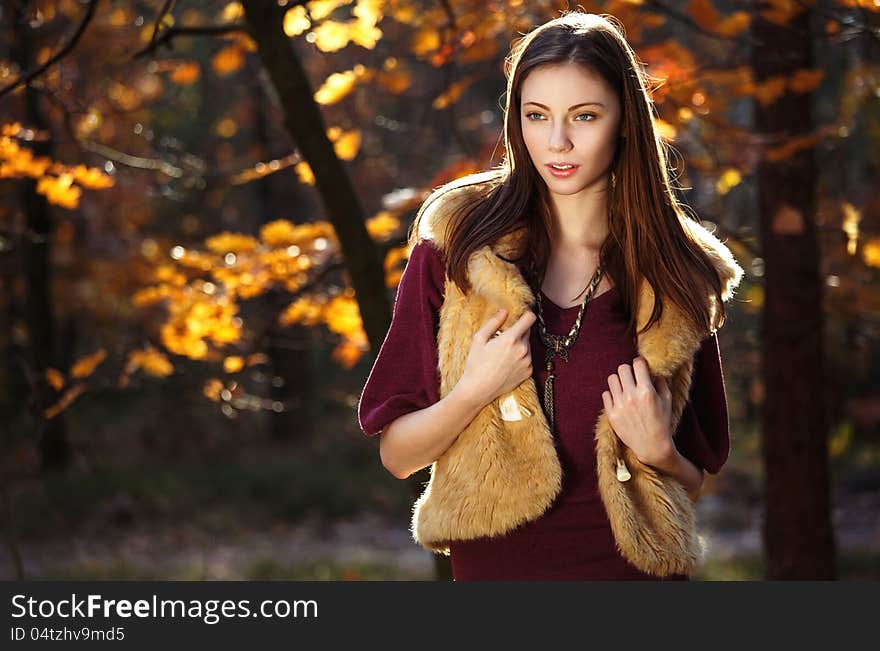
(580, 222)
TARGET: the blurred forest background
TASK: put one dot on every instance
(203, 210)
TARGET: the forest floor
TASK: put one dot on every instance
(326, 510)
(110, 544)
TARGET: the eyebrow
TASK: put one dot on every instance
(570, 108)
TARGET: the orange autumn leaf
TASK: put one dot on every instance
(454, 92)
(91, 177)
(805, 80)
(212, 389)
(769, 90)
(86, 366)
(348, 144)
(152, 361)
(871, 252)
(186, 73)
(233, 364)
(304, 172)
(60, 190)
(394, 81)
(228, 60)
(347, 354)
(69, 396)
(55, 378)
(382, 225)
(234, 242)
(425, 41)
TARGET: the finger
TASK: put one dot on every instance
(642, 372)
(665, 391)
(607, 400)
(627, 381)
(614, 385)
(522, 324)
(495, 321)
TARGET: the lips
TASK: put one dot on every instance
(562, 173)
(562, 164)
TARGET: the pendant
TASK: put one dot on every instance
(622, 471)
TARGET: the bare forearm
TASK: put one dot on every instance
(417, 439)
(675, 465)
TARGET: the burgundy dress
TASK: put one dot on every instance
(572, 540)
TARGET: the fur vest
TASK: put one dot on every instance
(503, 469)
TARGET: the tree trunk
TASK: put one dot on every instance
(303, 121)
(797, 529)
(34, 246)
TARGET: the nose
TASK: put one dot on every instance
(559, 141)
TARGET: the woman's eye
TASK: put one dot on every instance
(529, 116)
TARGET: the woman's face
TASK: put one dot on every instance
(570, 116)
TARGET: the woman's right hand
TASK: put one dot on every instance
(497, 365)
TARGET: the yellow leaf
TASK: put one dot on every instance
(364, 34)
(69, 396)
(734, 24)
(840, 440)
(278, 234)
(454, 92)
(482, 49)
(233, 364)
(704, 14)
(348, 144)
(320, 9)
(186, 74)
(87, 365)
(871, 252)
(232, 12)
(304, 172)
(226, 128)
(231, 242)
(347, 354)
(228, 60)
(296, 21)
(369, 12)
(851, 218)
(728, 179)
(55, 378)
(92, 177)
(304, 311)
(331, 36)
(754, 299)
(212, 389)
(769, 90)
(425, 41)
(394, 81)
(151, 360)
(383, 224)
(337, 86)
(59, 190)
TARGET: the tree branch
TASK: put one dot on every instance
(71, 43)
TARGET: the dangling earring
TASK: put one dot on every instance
(613, 180)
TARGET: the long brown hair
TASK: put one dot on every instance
(646, 235)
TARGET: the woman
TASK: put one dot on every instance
(570, 443)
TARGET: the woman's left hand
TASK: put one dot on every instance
(640, 414)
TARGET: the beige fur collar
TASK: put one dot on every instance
(503, 470)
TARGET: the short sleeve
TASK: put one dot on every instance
(405, 376)
(703, 435)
